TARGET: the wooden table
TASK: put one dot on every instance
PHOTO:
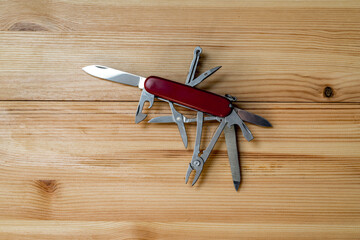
(73, 165)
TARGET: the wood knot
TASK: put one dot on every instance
(47, 186)
(26, 26)
(328, 92)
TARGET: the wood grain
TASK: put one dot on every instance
(187, 16)
(80, 161)
(74, 165)
(176, 230)
(279, 51)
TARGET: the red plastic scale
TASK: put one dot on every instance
(188, 96)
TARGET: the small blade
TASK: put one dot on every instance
(115, 75)
(178, 118)
(203, 76)
(252, 118)
(182, 131)
(162, 119)
(231, 144)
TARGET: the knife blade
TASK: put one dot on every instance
(231, 144)
(115, 75)
(252, 118)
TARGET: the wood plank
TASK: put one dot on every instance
(257, 65)
(122, 15)
(281, 51)
(35, 229)
(74, 165)
(83, 161)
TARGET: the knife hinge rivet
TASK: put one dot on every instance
(197, 163)
(230, 98)
(178, 119)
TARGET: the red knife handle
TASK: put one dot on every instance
(194, 98)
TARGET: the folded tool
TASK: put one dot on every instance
(215, 107)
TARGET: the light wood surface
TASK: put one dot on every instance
(74, 165)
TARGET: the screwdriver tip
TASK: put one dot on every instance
(216, 68)
(236, 185)
(268, 124)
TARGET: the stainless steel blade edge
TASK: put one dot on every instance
(115, 75)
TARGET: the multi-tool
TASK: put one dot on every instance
(215, 107)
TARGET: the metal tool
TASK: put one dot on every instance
(244, 115)
(203, 76)
(193, 65)
(215, 107)
(177, 117)
(232, 150)
(197, 162)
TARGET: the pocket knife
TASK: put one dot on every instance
(207, 105)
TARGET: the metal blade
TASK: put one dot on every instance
(182, 131)
(115, 75)
(203, 76)
(162, 119)
(231, 144)
(178, 118)
(252, 118)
